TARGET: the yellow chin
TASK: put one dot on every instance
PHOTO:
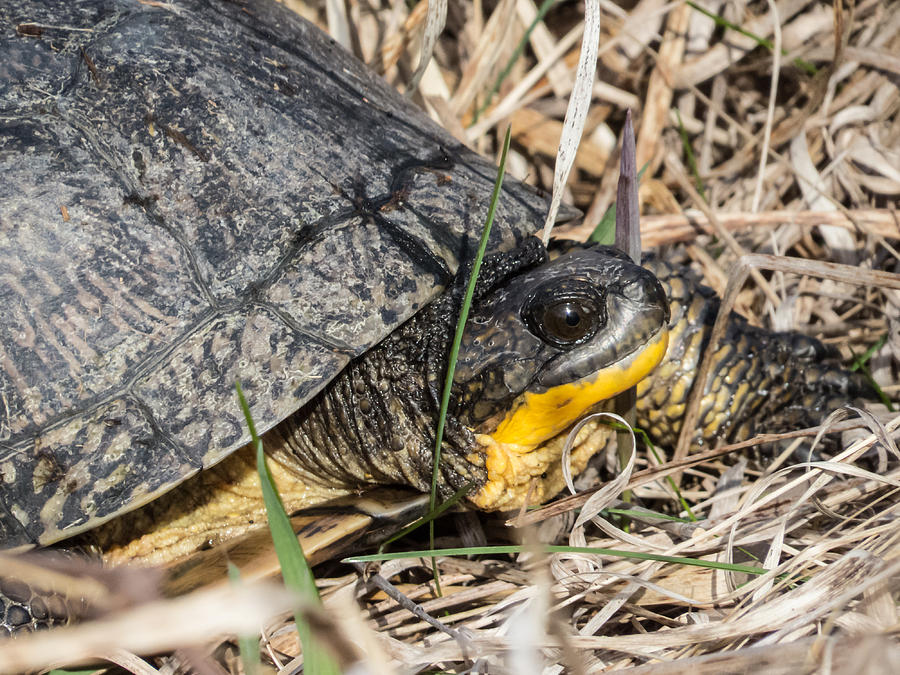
(538, 417)
(518, 451)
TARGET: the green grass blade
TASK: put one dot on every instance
(461, 322)
(514, 549)
(860, 363)
(721, 21)
(545, 7)
(248, 647)
(294, 568)
(457, 338)
(605, 231)
(647, 515)
(652, 448)
(428, 517)
(689, 154)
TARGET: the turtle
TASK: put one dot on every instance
(200, 192)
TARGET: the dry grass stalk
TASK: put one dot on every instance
(659, 89)
(660, 229)
(434, 25)
(828, 533)
(150, 628)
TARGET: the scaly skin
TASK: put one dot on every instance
(759, 380)
(758, 377)
(374, 424)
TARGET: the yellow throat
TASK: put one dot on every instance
(524, 446)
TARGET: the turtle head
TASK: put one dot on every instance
(543, 348)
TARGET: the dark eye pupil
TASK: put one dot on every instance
(567, 321)
(565, 312)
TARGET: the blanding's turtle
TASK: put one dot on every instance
(198, 192)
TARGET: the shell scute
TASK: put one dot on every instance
(331, 287)
(190, 393)
(83, 469)
(175, 217)
(87, 299)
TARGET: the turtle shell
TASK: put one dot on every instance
(193, 194)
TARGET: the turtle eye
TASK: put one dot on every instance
(567, 321)
(564, 315)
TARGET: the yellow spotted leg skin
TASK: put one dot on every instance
(760, 381)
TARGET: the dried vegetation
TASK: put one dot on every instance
(748, 149)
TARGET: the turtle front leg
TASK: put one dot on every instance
(759, 380)
(34, 595)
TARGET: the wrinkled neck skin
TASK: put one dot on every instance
(524, 375)
(376, 423)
